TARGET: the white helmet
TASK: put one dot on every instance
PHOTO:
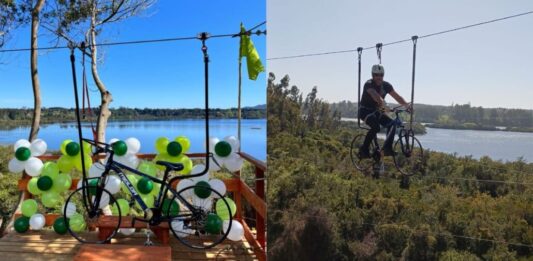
(378, 69)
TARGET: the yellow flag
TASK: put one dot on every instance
(253, 62)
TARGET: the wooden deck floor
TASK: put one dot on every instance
(47, 245)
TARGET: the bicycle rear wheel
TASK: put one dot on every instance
(362, 164)
(409, 156)
(84, 215)
(203, 219)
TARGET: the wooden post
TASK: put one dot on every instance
(237, 197)
(260, 191)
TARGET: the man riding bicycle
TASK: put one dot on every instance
(372, 110)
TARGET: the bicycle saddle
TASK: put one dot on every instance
(170, 165)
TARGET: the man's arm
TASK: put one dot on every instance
(376, 97)
(401, 100)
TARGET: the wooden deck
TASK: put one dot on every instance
(47, 245)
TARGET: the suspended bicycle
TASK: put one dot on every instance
(190, 212)
(408, 152)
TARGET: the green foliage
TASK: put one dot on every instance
(459, 116)
(11, 118)
(318, 200)
(9, 193)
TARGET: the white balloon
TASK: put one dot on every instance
(185, 183)
(107, 210)
(134, 145)
(133, 161)
(236, 231)
(127, 231)
(21, 143)
(234, 142)
(96, 170)
(181, 231)
(234, 163)
(37, 221)
(112, 184)
(71, 209)
(33, 166)
(204, 203)
(38, 147)
(197, 169)
(104, 200)
(219, 186)
(212, 142)
(113, 140)
(15, 165)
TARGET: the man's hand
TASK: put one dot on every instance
(408, 107)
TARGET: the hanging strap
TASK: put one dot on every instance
(414, 38)
(378, 49)
(85, 92)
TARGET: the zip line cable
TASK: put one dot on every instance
(404, 40)
(248, 32)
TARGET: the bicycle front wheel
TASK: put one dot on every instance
(362, 164)
(409, 155)
(85, 215)
(199, 216)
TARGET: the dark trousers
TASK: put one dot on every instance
(374, 118)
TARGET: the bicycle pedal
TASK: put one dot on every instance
(148, 243)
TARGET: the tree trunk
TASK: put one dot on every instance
(34, 72)
(105, 96)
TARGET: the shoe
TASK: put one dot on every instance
(389, 152)
(364, 153)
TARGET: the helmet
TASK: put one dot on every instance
(378, 69)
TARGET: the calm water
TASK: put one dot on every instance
(253, 133)
(500, 145)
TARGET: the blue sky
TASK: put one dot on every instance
(157, 75)
(488, 66)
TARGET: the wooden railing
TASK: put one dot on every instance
(241, 192)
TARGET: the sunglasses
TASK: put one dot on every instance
(377, 75)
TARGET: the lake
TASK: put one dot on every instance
(253, 133)
(498, 145)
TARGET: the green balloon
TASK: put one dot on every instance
(148, 200)
(50, 169)
(213, 224)
(22, 154)
(187, 164)
(124, 206)
(174, 148)
(65, 163)
(33, 188)
(51, 199)
(120, 148)
(44, 183)
(223, 148)
(76, 222)
(73, 148)
(60, 226)
(155, 191)
(62, 183)
(29, 207)
(161, 144)
(145, 185)
(202, 190)
(148, 168)
(184, 142)
(93, 183)
(63, 146)
(222, 209)
(174, 207)
(22, 224)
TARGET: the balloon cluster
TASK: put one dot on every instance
(203, 197)
(26, 157)
(174, 151)
(71, 157)
(225, 153)
(30, 217)
(126, 150)
(49, 184)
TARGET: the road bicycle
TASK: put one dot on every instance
(408, 152)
